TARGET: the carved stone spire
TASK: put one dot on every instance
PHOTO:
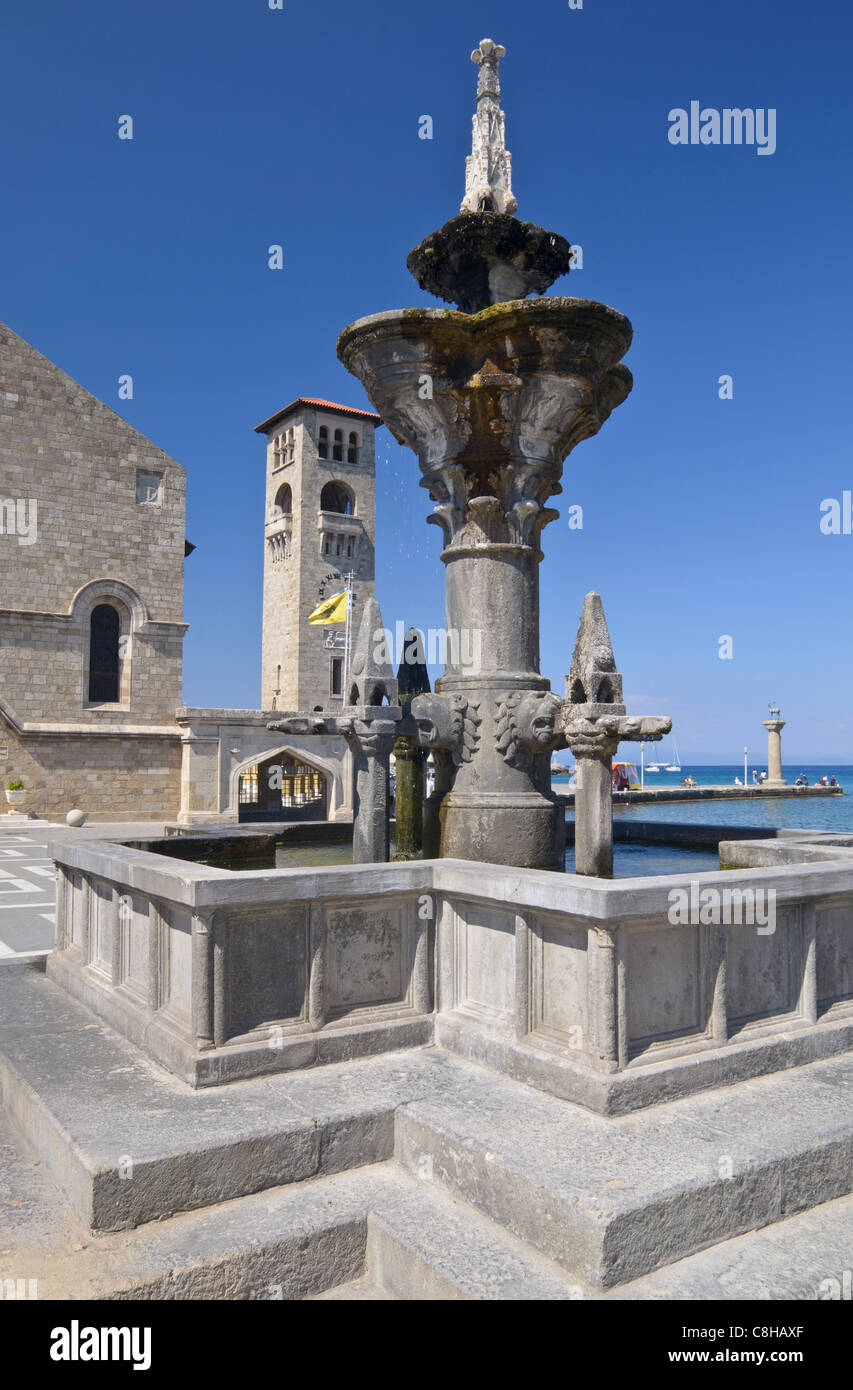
(593, 678)
(488, 168)
(370, 677)
(593, 723)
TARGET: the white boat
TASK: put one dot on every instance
(653, 767)
(675, 765)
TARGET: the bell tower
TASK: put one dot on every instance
(319, 529)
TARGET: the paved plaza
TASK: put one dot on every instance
(27, 893)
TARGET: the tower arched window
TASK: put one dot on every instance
(284, 500)
(104, 629)
(352, 448)
(338, 447)
(336, 497)
(323, 443)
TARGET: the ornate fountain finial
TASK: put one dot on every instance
(484, 255)
(488, 168)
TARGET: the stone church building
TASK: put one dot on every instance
(92, 549)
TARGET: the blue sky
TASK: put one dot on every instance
(300, 127)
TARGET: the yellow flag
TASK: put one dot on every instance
(331, 610)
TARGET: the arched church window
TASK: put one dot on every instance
(338, 447)
(284, 500)
(104, 626)
(336, 497)
(323, 443)
(352, 448)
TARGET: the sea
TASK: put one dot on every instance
(782, 812)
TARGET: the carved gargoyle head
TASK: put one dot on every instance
(525, 725)
(439, 719)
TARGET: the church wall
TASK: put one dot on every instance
(72, 474)
(44, 661)
(110, 778)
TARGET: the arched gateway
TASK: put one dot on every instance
(283, 786)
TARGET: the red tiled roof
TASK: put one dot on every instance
(323, 405)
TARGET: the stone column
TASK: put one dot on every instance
(594, 721)
(412, 680)
(774, 729)
(493, 402)
(409, 798)
(371, 745)
(443, 763)
(502, 795)
(593, 803)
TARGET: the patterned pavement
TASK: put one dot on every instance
(27, 892)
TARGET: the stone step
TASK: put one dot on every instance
(287, 1242)
(361, 1290)
(371, 1233)
(422, 1245)
(426, 1246)
(129, 1143)
(374, 1233)
(611, 1199)
(806, 1257)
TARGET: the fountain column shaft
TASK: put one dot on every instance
(492, 607)
(594, 816)
(502, 797)
(370, 842)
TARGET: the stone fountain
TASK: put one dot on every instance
(404, 1163)
(492, 396)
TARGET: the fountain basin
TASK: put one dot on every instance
(526, 379)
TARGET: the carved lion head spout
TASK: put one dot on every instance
(439, 719)
(447, 723)
(525, 725)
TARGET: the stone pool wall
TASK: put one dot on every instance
(614, 994)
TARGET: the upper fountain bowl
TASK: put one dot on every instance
(483, 258)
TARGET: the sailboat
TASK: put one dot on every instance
(653, 767)
(675, 765)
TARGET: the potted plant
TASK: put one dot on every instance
(15, 792)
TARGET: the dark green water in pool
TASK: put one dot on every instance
(629, 860)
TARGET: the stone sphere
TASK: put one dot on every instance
(76, 818)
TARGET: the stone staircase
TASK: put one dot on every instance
(408, 1176)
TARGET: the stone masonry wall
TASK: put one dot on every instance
(110, 778)
(71, 464)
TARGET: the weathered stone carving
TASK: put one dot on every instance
(594, 722)
(488, 168)
(525, 726)
(448, 723)
(492, 400)
(409, 757)
(485, 255)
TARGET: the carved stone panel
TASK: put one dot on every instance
(176, 964)
(134, 921)
(369, 951)
(102, 924)
(267, 968)
(834, 954)
(485, 963)
(559, 982)
(664, 984)
(764, 970)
